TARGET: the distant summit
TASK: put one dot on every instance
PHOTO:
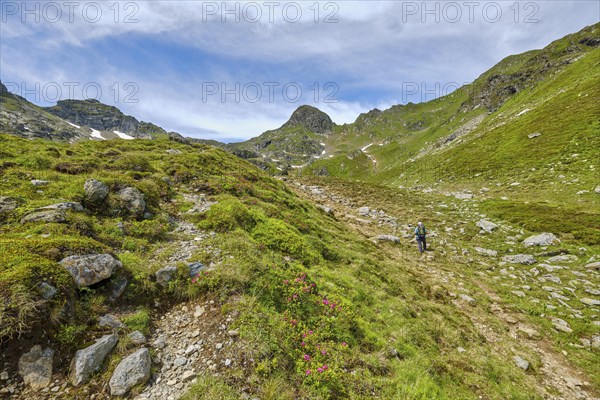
(312, 119)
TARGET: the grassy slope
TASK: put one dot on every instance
(274, 246)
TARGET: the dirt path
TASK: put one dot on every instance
(556, 378)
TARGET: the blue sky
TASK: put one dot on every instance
(189, 66)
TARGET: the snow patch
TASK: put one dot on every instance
(123, 135)
(523, 112)
(366, 147)
(76, 126)
(96, 134)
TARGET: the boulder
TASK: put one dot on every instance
(137, 337)
(562, 258)
(88, 360)
(526, 259)
(590, 302)
(57, 216)
(594, 265)
(117, 287)
(35, 367)
(7, 204)
(521, 363)
(195, 268)
(486, 226)
(131, 371)
(95, 191)
(364, 211)
(486, 252)
(388, 238)
(164, 275)
(325, 209)
(132, 200)
(561, 325)
(90, 268)
(543, 239)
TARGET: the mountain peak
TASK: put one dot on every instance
(310, 118)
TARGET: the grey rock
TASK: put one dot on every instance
(88, 360)
(110, 321)
(364, 211)
(39, 182)
(468, 299)
(164, 275)
(486, 226)
(562, 258)
(8, 204)
(521, 363)
(57, 216)
(561, 325)
(160, 343)
(137, 337)
(173, 151)
(526, 259)
(67, 205)
(180, 362)
(90, 268)
(534, 135)
(486, 252)
(595, 341)
(388, 238)
(188, 376)
(47, 291)
(195, 268)
(132, 200)
(118, 286)
(594, 265)
(131, 371)
(325, 209)
(590, 302)
(543, 239)
(35, 367)
(95, 191)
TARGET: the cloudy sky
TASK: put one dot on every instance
(231, 70)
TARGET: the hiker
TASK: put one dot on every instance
(420, 233)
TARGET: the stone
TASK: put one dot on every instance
(562, 258)
(521, 363)
(534, 135)
(180, 362)
(132, 200)
(528, 332)
(117, 287)
(95, 191)
(35, 367)
(110, 321)
(132, 370)
(47, 291)
(526, 259)
(233, 333)
(173, 151)
(388, 238)
(8, 204)
(188, 376)
(543, 239)
(39, 182)
(137, 337)
(56, 216)
(90, 268)
(595, 341)
(198, 311)
(594, 265)
(468, 299)
(486, 252)
(518, 293)
(590, 302)
(164, 275)
(325, 209)
(89, 360)
(195, 268)
(68, 205)
(486, 226)
(160, 343)
(364, 211)
(561, 325)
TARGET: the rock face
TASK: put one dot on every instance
(543, 239)
(95, 191)
(486, 226)
(526, 259)
(88, 360)
(164, 275)
(312, 119)
(90, 268)
(132, 200)
(36, 367)
(131, 371)
(57, 216)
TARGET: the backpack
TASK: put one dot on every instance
(421, 230)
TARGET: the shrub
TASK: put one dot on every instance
(277, 235)
(228, 215)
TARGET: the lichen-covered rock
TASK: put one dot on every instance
(526, 259)
(132, 200)
(486, 226)
(543, 239)
(8, 204)
(164, 275)
(131, 371)
(90, 268)
(57, 216)
(36, 367)
(388, 238)
(88, 360)
(95, 191)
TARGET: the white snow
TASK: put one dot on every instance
(123, 135)
(523, 112)
(96, 134)
(76, 126)
(366, 147)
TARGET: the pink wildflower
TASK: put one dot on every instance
(308, 372)
(323, 352)
(306, 357)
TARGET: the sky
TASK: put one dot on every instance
(229, 70)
